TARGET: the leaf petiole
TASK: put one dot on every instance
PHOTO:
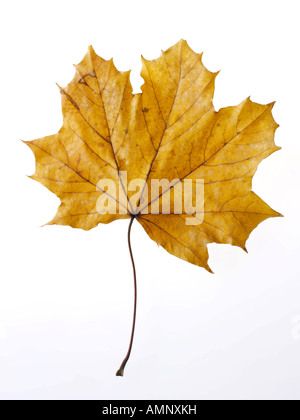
(120, 371)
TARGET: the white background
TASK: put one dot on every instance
(66, 294)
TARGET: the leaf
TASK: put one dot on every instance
(169, 131)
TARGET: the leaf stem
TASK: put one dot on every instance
(120, 371)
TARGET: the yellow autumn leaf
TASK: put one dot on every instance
(152, 155)
(169, 131)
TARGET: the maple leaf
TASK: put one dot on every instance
(170, 131)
